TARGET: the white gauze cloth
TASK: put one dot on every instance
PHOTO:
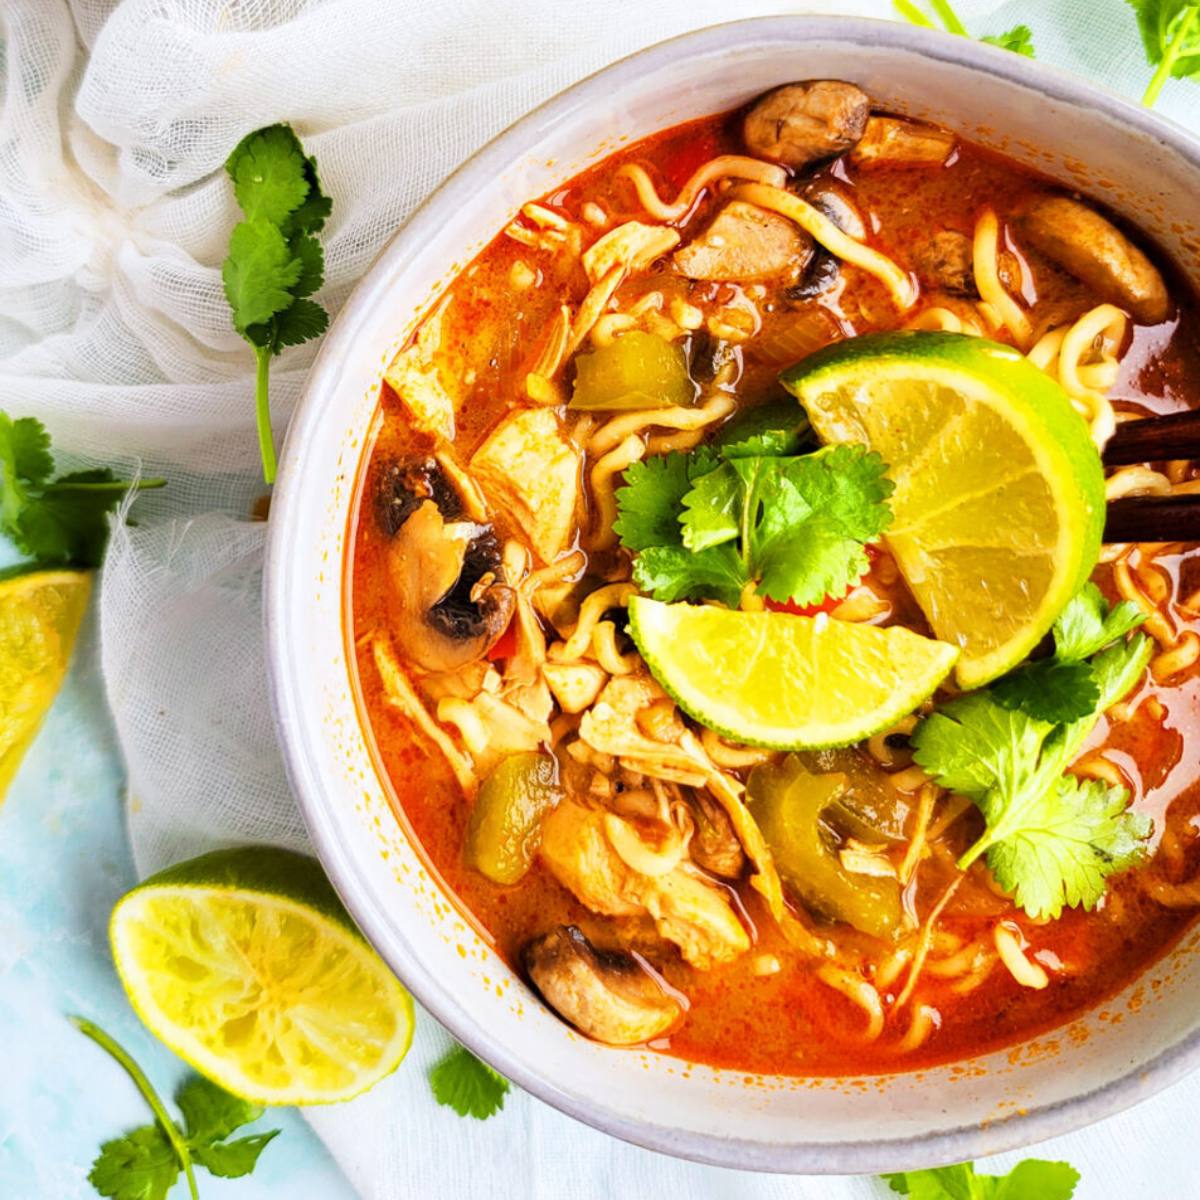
(114, 217)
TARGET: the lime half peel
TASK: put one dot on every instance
(999, 501)
(246, 965)
(783, 681)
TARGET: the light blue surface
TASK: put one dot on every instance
(64, 860)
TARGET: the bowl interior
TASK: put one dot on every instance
(1118, 1053)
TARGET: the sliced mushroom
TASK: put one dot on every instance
(1093, 249)
(946, 263)
(890, 142)
(829, 197)
(714, 845)
(449, 600)
(607, 996)
(745, 242)
(802, 123)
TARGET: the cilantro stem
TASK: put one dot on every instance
(262, 405)
(112, 485)
(911, 13)
(1173, 51)
(144, 1086)
(949, 17)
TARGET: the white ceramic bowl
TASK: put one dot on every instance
(1139, 164)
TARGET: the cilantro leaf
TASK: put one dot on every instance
(1032, 1179)
(30, 448)
(673, 573)
(648, 503)
(63, 520)
(210, 1112)
(1063, 688)
(800, 523)
(1066, 842)
(231, 1160)
(470, 1087)
(301, 321)
(142, 1165)
(259, 273)
(1087, 624)
(274, 262)
(1019, 40)
(772, 430)
(1051, 840)
(1051, 689)
(268, 172)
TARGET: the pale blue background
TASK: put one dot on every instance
(64, 860)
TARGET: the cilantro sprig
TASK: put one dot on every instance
(703, 525)
(275, 263)
(1019, 39)
(1170, 32)
(1063, 687)
(1051, 839)
(61, 519)
(145, 1163)
(470, 1087)
(1034, 1177)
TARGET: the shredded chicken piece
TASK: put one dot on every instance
(529, 469)
(686, 908)
(492, 729)
(401, 695)
(729, 792)
(415, 377)
(632, 246)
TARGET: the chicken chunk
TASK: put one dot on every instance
(607, 996)
(745, 242)
(890, 142)
(415, 376)
(529, 469)
(715, 846)
(802, 123)
(633, 246)
(1093, 249)
(687, 909)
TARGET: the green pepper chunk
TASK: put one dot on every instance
(870, 808)
(505, 827)
(635, 370)
(789, 803)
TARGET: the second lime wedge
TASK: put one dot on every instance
(40, 613)
(999, 500)
(783, 681)
(245, 963)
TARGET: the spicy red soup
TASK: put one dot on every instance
(730, 607)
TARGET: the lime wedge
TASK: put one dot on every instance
(999, 501)
(40, 614)
(245, 963)
(788, 682)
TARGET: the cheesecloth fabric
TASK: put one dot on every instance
(116, 119)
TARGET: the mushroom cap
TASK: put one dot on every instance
(802, 123)
(608, 996)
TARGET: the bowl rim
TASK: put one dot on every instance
(872, 1155)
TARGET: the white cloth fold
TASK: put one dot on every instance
(117, 116)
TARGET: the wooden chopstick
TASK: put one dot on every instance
(1154, 439)
(1153, 519)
